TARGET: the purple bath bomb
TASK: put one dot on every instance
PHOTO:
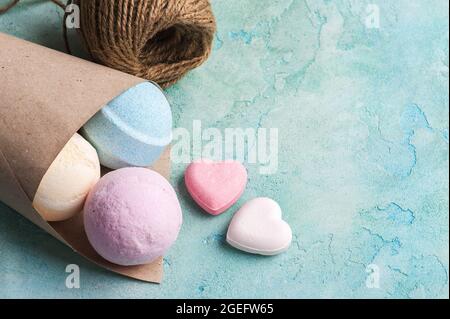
(132, 216)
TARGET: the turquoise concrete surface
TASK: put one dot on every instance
(362, 111)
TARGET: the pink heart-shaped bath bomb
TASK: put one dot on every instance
(215, 186)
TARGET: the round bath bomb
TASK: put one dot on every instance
(132, 216)
(64, 187)
(133, 129)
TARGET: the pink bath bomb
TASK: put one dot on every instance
(132, 216)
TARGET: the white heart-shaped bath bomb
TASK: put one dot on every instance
(258, 228)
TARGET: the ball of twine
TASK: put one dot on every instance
(159, 40)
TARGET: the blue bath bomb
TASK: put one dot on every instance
(133, 129)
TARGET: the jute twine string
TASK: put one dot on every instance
(159, 40)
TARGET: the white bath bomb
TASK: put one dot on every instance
(64, 187)
(258, 228)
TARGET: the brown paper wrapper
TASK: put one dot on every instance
(45, 97)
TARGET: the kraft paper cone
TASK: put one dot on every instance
(45, 97)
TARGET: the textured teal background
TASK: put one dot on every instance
(363, 173)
